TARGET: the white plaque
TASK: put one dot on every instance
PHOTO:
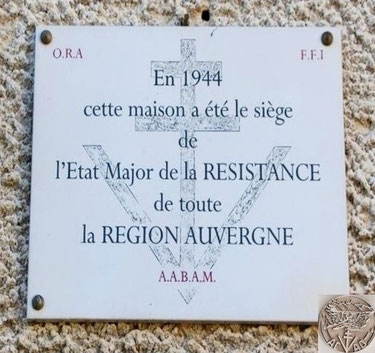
(187, 174)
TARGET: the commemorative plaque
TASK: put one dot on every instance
(187, 174)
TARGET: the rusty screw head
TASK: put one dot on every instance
(46, 37)
(327, 38)
(38, 302)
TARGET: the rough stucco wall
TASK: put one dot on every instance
(17, 21)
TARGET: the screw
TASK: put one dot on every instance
(38, 302)
(46, 37)
(327, 38)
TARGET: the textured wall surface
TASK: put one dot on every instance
(17, 21)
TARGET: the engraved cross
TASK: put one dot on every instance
(190, 124)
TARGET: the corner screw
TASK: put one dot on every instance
(46, 37)
(327, 38)
(38, 302)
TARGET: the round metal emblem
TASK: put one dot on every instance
(347, 324)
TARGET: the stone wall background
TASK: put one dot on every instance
(17, 21)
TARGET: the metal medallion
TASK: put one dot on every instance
(347, 324)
